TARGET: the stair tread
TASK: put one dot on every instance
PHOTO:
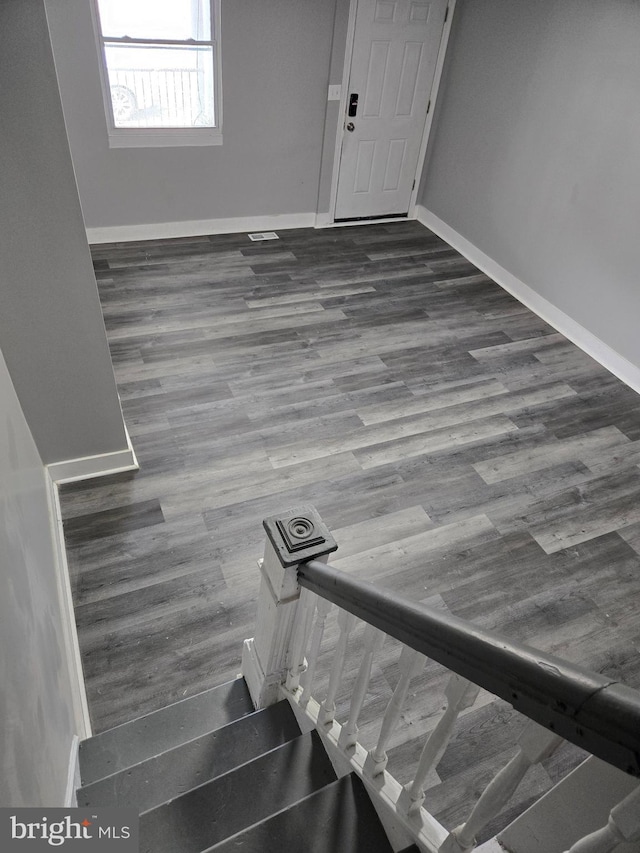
(339, 818)
(148, 736)
(172, 773)
(228, 804)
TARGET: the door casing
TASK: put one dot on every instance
(324, 221)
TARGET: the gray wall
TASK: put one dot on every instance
(275, 58)
(536, 154)
(51, 327)
(36, 711)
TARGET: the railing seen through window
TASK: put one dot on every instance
(161, 62)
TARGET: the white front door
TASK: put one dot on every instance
(395, 50)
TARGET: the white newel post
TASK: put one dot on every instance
(294, 537)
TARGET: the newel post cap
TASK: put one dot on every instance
(299, 535)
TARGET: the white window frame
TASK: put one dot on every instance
(162, 137)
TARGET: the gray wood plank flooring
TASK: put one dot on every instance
(461, 450)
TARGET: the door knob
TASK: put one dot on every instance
(351, 127)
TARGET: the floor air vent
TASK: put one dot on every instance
(263, 235)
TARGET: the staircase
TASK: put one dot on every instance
(210, 773)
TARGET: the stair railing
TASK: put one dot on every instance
(560, 700)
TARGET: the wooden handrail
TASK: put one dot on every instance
(594, 712)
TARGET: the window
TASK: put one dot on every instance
(161, 71)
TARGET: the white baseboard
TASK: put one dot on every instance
(73, 775)
(604, 354)
(65, 472)
(72, 647)
(70, 470)
(199, 227)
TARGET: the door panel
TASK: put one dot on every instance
(394, 56)
(364, 166)
(395, 160)
(405, 102)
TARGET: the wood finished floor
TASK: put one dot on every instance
(461, 450)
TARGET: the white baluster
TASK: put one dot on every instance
(373, 640)
(460, 694)
(623, 825)
(346, 624)
(411, 663)
(322, 610)
(302, 626)
(535, 744)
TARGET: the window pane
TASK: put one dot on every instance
(156, 19)
(160, 86)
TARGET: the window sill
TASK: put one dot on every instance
(179, 137)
